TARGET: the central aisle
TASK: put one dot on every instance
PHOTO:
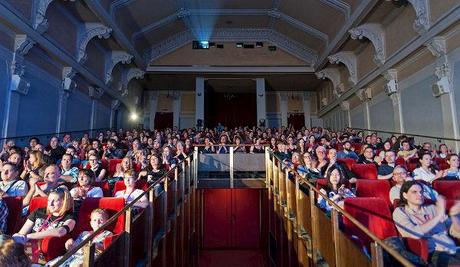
(232, 258)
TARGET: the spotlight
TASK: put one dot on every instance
(239, 45)
(200, 45)
(134, 116)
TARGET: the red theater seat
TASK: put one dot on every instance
(357, 147)
(113, 166)
(412, 164)
(37, 203)
(349, 162)
(449, 189)
(365, 171)
(374, 188)
(441, 163)
(15, 222)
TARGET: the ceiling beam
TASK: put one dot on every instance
(230, 69)
(18, 21)
(273, 13)
(125, 43)
(358, 15)
(177, 41)
(340, 6)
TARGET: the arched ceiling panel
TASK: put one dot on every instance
(158, 35)
(229, 4)
(144, 12)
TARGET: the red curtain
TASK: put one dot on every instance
(163, 120)
(296, 120)
(230, 109)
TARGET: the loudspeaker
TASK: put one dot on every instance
(262, 123)
(199, 123)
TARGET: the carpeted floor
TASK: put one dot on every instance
(232, 258)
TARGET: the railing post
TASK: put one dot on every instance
(267, 168)
(336, 236)
(314, 223)
(150, 226)
(127, 239)
(377, 255)
(195, 165)
(231, 167)
(88, 254)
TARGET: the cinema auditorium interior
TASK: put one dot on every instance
(215, 133)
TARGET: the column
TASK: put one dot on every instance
(176, 109)
(153, 104)
(62, 111)
(345, 106)
(283, 109)
(365, 96)
(261, 102)
(94, 93)
(199, 100)
(307, 109)
(392, 89)
(113, 109)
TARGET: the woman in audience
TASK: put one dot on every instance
(16, 159)
(208, 146)
(453, 173)
(273, 144)
(238, 148)
(33, 167)
(56, 220)
(308, 168)
(135, 148)
(97, 219)
(85, 187)
(336, 189)
(301, 145)
(167, 160)
(180, 153)
(257, 147)
(131, 193)
(153, 171)
(443, 151)
(11, 185)
(96, 166)
(426, 171)
(223, 148)
(416, 220)
(322, 159)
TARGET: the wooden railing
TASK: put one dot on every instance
(169, 223)
(311, 235)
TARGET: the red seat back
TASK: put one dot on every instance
(320, 183)
(357, 147)
(120, 185)
(449, 189)
(113, 166)
(373, 213)
(110, 204)
(442, 163)
(37, 203)
(400, 161)
(348, 161)
(374, 188)
(365, 171)
(412, 164)
(105, 188)
(14, 205)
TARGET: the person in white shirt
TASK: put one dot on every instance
(131, 193)
(426, 172)
(85, 186)
(11, 186)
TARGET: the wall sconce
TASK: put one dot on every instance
(198, 94)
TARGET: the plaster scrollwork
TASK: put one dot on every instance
(442, 71)
(422, 12)
(40, 23)
(345, 105)
(113, 59)
(396, 99)
(95, 92)
(348, 58)
(22, 44)
(437, 46)
(88, 32)
(334, 76)
(68, 74)
(375, 33)
(324, 101)
(364, 94)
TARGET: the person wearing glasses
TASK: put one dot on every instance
(400, 176)
(96, 166)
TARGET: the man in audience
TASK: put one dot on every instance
(367, 157)
(385, 170)
(54, 150)
(51, 179)
(332, 157)
(347, 152)
(406, 152)
(11, 185)
(68, 173)
(111, 151)
(400, 176)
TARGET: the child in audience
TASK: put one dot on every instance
(85, 186)
(131, 193)
(98, 218)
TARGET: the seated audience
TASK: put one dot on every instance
(322, 159)
(96, 166)
(34, 166)
(453, 173)
(97, 219)
(309, 168)
(208, 147)
(332, 157)
(385, 171)
(54, 150)
(56, 220)
(131, 193)
(111, 151)
(238, 148)
(406, 152)
(51, 182)
(153, 171)
(11, 185)
(367, 157)
(426, 171)
(257, 147)
(85, 187)
(336, 189)
(222, 148)
(416, 220)
(400, 176)
(347, 152)
(12, 253)
(68, 173)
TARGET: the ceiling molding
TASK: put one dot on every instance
(422, 11)
(127, 75)
(359, 14)
(234, 35)
(272, 13)
(348, 58)
(112, 59)
(108, 20)
(230, 69)
(376, 34)
(87, 32)
(39, 7)
(333, 75)
(118, 4)
(340, 6)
